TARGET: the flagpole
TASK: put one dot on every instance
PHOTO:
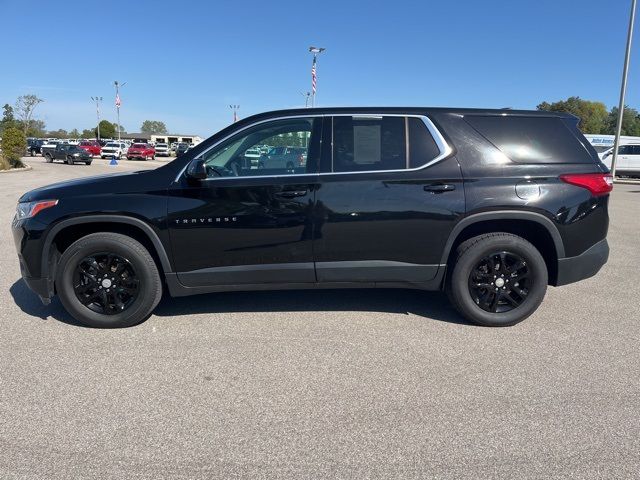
(314, 72)
(118, 85)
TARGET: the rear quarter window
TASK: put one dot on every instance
(531, 139)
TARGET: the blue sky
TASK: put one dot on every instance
(185, 62)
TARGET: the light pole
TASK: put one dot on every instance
(97, 100)
(235, 112)
(118, 85)
(306, 96)
(314, 77)
(623, 88)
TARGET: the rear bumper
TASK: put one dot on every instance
(585, 265)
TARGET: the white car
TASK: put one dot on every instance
(628, 162)
(162, 150)
(112, 149)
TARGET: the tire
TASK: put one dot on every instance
(96, 246)
(102, 157)
(520, 277)
(128, 158)
(70, 161)
(32, 152)
(48, 158)
(88, 163)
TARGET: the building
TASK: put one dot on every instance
(168, 138)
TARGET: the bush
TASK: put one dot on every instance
(14, 145)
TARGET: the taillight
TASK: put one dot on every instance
(597, 183)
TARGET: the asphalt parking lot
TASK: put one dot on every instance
(322, 384)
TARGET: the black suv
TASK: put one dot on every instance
(490, 206)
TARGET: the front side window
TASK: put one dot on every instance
(280, 147)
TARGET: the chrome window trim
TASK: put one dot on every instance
(441, 143)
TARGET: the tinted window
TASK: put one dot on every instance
(369, 143)
(422, 146)
(531, 139)
(290, 139)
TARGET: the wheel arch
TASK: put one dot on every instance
(67, 231)
(533, 227)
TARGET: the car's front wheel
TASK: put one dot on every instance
(108, 280)
(498, 279)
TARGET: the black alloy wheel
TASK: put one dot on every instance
(106, 283)
(497, 279)
(500, 282)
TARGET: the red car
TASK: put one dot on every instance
(90, 146)
(143, 151)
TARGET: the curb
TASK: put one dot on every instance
(26, 168)
(627, 182)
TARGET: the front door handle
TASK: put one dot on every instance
(439, 187)
(291, 193)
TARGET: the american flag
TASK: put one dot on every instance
(313, 75)
(118, 102)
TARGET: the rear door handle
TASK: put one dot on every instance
(291, 193)
(439, 187)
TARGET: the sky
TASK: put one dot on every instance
(184, 62)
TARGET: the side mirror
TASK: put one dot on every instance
(197, 170)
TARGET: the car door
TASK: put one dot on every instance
(247, 224)
(389, 195)
(624, 152)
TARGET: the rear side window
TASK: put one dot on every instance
(376, 143)
(422, 146)
(369, 143)
(531, 139)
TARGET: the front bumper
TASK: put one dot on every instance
(585, 265)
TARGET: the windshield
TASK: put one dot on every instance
(112, 145)
(139, 145)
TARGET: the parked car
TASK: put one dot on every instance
(162, 150)
(628, 162)
(34, 145)
(113, 149)
(69, 154)
(284, 157)
(181, 148)
(91, 146)
(490, 206)
(142, 151)
(252, 155)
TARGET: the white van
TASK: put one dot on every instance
(628, 162)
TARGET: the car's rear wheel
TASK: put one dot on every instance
(69, 160)
(48, 158)
(108, 280)
(498, 279)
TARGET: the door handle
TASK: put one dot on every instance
(439, 187)
(290, 193)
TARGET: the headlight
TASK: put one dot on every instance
(76, 154)
(30, 209)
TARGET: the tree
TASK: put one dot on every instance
(153, 127)
(14, 144)
(107, 129)
(8, 120)
(37, 129)
(24, 108)
(593, 115)
(630, 122)
(88, 133)
(60, 133)
(74, 133)
(115, 126)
